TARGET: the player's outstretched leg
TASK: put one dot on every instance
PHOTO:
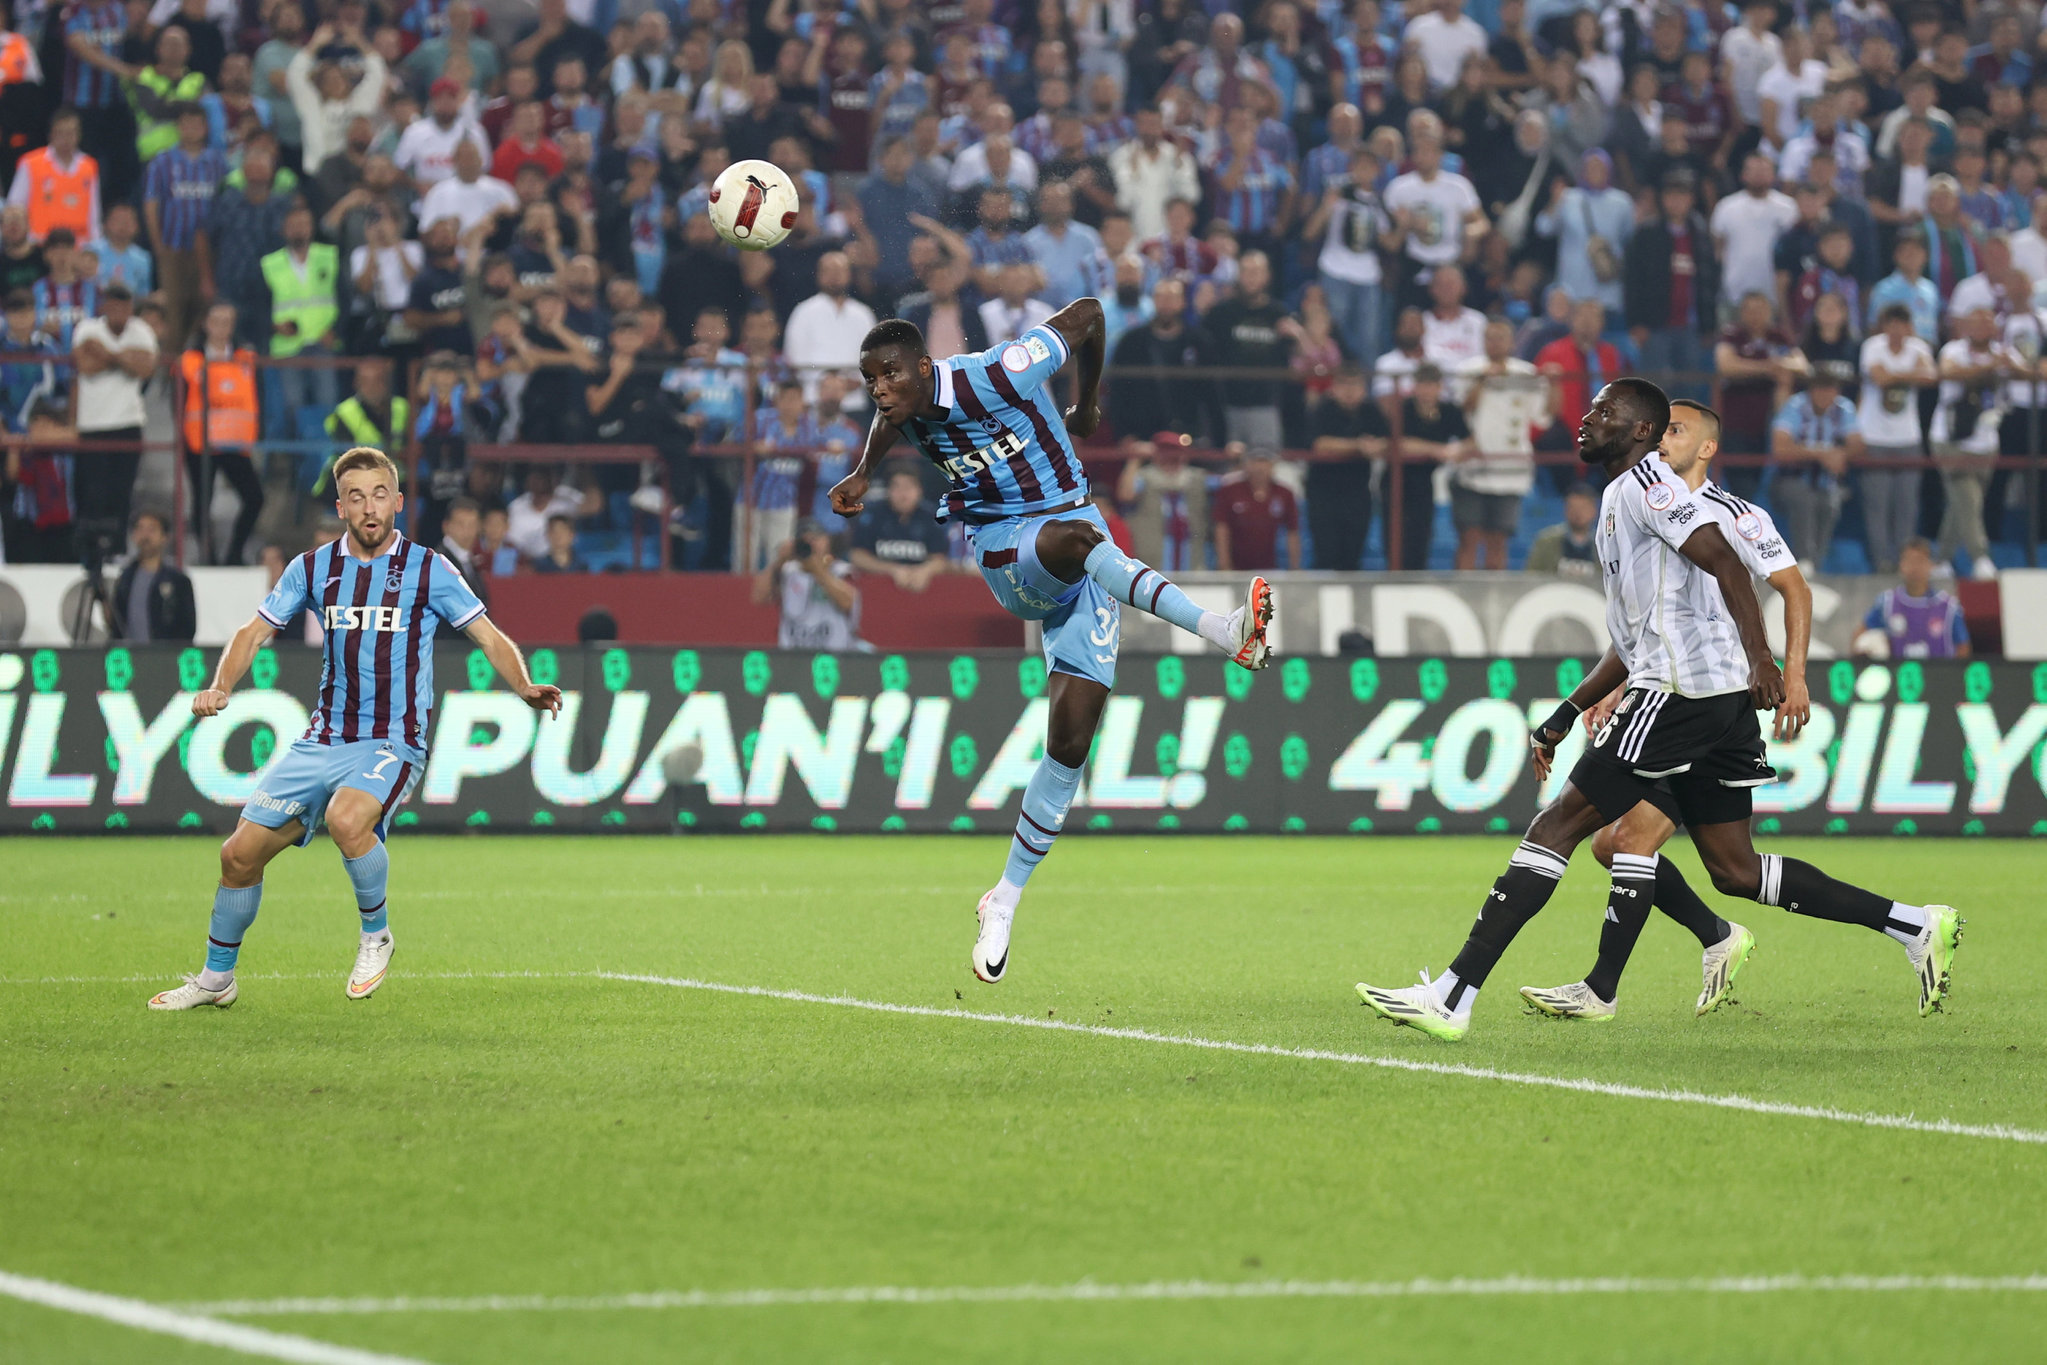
(1928, 933)
(236, 899)
(1075, 711)
(1442, 1008)
(1073, 548)
(352, 818)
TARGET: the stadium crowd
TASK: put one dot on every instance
(1426, 231)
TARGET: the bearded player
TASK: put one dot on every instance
(1042, 548)
(379, 597)
(1688, 640)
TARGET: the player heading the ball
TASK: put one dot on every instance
(379, 597)
(988, 421)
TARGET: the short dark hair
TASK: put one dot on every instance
(162, 520)
(894, 332)
(1895, 312)
(1707, 417)
(465, 503)
(1648, 403)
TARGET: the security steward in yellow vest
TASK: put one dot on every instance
(303, 278)
(369, 417)
(157, 90)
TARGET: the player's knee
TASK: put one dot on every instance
(1069, 541)
(1743, 879)
(1071, 752)
(240, 864)
(351, 824)
(1602, 846)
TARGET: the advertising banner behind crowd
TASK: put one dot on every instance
(104, 740)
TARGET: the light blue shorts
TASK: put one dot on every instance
(299, 785)
(1082, 623)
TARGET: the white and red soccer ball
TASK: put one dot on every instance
(753, 205)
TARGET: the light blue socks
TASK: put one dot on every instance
(1045, 801)
(234, 910)
(1133, 581)
(370, 873)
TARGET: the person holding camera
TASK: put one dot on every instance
(814, 587)
(152, 601)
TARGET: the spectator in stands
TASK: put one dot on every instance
(321, 95)
(825, 329)
(1127, 305)
(1758, 362)
(122, 259)
(548, 493)
(1143, 404)
(1393, 372)
(1015, 309)
(1672, 288)
(1505, 403)
(469, 196)
(1579, 364)
(1811, 442)
(891, 201)
(560, 555)
(1909, 287)
(115, 354)
(1452, 335)
(1165, 498)
(1896, 364)
(903, 539)
(178, 202)
(152, 601)
(1437, 219)
(1247, 332)
(22, 382)
(1829, 336)
(1250, 512)
(1348, 433)
(820, 606)
(1915, 620)
(1567, 548)
(1069, 257)
(783, 440)
(220, 430)
(1433, 432)
(67, 295)
(156, 91)
(1592, 222)
(1974, 369)
(1746, 227)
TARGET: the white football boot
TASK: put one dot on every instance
(192, 995)
(1933, 956)
(991, 949)
(1720, 964)
(372, 960)
(1575, 1001)
(1416, 1007)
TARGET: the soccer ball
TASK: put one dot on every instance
(753, 205)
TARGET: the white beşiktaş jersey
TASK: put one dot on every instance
(1664, 615)
(1750, 530)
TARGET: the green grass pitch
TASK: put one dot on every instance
(562, 1134)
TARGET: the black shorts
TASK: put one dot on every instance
(1696, 759)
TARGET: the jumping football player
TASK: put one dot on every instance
(379, 598)
(1042, 548)
(1688, 447)
(1695, 681)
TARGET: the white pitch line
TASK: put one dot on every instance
(2002, 1132)
(208, 1331)
(1582, 1084)
(1087, 1291)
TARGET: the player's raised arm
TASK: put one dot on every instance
(505, 657)
(850, 493)
(234, 662)
(1085, 332)
(1708, 549)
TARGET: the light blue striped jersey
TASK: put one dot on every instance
(379, 615)
(1000, 438)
